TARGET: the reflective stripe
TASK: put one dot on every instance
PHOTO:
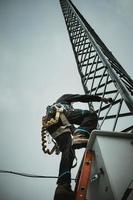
(67, 172)
(81, 130)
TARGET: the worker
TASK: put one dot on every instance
(61, 132)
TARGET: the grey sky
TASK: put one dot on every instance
(36, 67)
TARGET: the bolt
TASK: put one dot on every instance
(82, 188)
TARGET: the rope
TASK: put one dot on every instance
(28, 175)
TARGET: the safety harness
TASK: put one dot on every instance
(57, 112)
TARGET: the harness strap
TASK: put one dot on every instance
(64, 119)
(52, 120)
(65, 128)
(60, 131)
(59, 114)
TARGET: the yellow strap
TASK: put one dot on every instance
(52, 120)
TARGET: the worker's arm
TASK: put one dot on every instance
(70, 98)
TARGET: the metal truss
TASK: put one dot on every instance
(100, 72)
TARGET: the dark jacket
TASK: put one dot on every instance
(66, 100)
(71, 98)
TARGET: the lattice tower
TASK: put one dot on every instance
(100, 72)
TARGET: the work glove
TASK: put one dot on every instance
(107, 100)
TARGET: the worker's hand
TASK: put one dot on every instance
(107, 100)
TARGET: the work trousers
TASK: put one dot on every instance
(87, 122)
(68, 154)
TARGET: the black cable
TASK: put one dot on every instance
(28, 175)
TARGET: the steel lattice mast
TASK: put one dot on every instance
(100, 72)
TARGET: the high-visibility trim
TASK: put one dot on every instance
(81, 130)
(84, 177)
(64, 173)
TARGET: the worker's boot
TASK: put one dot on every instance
(80, 138)
(79, 141)
(64, 192)
(81, 133)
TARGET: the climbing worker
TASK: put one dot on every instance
(59, 121)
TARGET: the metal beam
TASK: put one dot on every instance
(95, 63)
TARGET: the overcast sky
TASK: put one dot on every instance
(37, 66)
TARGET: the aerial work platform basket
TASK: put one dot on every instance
(106, 171)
